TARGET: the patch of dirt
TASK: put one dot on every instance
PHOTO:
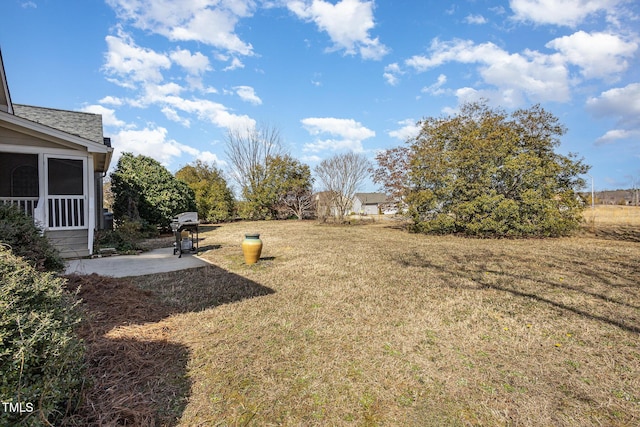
(162, 241)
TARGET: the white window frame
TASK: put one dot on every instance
(84, 197)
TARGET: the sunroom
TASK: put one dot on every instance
(52, 163)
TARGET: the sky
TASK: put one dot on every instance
(172, 78)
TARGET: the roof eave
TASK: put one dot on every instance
(5, 95)
(39, 130)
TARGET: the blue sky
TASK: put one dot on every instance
(172, 77)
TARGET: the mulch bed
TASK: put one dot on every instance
(136, 375)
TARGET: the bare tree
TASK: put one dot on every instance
(248, 151)
(341, 176)
(298, 202)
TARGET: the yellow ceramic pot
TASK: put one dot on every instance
(251, 248)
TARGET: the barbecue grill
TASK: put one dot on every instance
(185, 229)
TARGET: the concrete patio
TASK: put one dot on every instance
(155, 261)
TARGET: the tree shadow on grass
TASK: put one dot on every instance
(202, 249)
(207, 227)
(136, 375)
(624, 233)
(619, 313)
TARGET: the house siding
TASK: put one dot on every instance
(70, 243)
(10, 137)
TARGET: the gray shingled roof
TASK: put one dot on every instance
(372, 198)
(84, 125)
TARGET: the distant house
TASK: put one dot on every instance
(51, 166)
(324, 204)
(372, 204)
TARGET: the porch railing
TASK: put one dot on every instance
(66, 211)
(25, 204)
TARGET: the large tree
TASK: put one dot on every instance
(341, 176)
(284, 182)
(392, 173)
(213, 197)
(248, 151)
(290, 184)
(484, 172)
(145, 190)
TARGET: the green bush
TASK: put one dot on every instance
(143, 189)
(26, 240)
(126, 237)
(41, 358)
(487, 173)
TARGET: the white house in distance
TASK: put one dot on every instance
(52, 163)
(372, 204)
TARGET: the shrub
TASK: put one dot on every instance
(26, 240)
(40, 357)
(485, 173)
(143, 189)
(214, 198)
(126, 237)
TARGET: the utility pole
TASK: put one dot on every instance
(593, 198)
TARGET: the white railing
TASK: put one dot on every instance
(25, 204)
(66, 212)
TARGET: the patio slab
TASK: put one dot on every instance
(155, 261)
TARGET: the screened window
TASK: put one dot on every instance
(65, 177)
(18, 175)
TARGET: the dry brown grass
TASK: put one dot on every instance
(613, 215)
(371, 325)
(613, 222)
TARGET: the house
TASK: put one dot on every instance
(324, 205)
(371, 204)
(51, 165)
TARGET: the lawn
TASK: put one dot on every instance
(371, 325)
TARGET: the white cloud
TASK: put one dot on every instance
(235, 64)
(108, 115)
(151, 142)
(475, 19)
(622, 103)
(436, 88)
(29, 5)
(209, 157)
(334, 145)
(349, 132)
(126, 60)
(213, 112)
(347, 128)
(617, 134)
(154, 142)
(168, 98)
(597, 54)
(391, 73)
(248, 94)
(311, 159)
(211, 22)
(111, 100)
(529, 74)
(347, 23)
(156, 92)
(173, 115)
(409, 130)
(560, 12)
(195, 64)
